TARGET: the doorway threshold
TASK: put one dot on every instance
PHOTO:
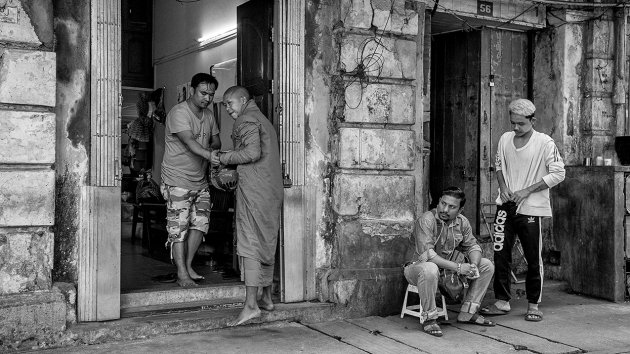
(177, 299)
(126, 329)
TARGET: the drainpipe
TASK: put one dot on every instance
(619, 83)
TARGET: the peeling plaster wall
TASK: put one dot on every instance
(362, 148)
(573, 85)
(29, 306)
(574, 70)
(27, 98)
(72, 30)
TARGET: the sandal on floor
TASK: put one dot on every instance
(492, 310)
(534, 316)
(431, 327)
(165, 278)
(477, 319)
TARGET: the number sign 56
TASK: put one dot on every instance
(484, 8)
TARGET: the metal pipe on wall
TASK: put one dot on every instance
(620, 84)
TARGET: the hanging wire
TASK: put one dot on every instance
(515, 17)
(565, 22)
(565, 3)
(370, 64)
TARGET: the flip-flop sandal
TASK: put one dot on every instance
(431, 327)
(534, 316)
(165, 278)
(475, 320)
(492, 310)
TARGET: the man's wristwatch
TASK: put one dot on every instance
(459, 268)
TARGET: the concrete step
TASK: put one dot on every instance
(186, 322)
(179, 295)
(179, 307)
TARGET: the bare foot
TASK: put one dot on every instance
(267, 306)
(186, 282)
(246, 314)
(194, 275)
(265, 302)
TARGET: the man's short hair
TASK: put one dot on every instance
(237, 90)
(203, 77)
(455, 192)
(523, 107)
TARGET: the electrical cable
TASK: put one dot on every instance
(580, 4)
(515, 17)
(370, 63)
(565, 22)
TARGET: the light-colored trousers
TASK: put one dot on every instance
(425, 275)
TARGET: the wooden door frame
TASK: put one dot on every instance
(98, 264)
(297, 231)
(99, 272)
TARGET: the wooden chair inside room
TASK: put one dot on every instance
(487, 213)
(154, 235)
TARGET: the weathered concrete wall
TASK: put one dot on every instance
(574, 70)
(363, 133)
(28, 305)
(573, 84)
(27, 97)
(72, 31)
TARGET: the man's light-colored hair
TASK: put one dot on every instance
(238, 91)
(523, 107)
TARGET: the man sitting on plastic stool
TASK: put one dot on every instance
(439, 232)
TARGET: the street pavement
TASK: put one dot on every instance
(571, 324)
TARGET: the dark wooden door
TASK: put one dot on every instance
(506, 75)
(136, 48)
(254, 51)
(454, 131)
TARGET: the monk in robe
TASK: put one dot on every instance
(259, 196)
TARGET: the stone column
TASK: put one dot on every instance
(376, 150)
(29, 307)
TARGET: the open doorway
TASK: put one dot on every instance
(174, 54)
(233, 57)
(474, 75)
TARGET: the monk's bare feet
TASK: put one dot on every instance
(264, 301)
(194, 275)
(246, 314)
(264, 298)
(267, 306)
(185, 281)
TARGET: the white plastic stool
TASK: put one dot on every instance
(416, 310)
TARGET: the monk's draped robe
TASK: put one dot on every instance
(259, 193)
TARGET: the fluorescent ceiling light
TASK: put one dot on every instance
(217, 37)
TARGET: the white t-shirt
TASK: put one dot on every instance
(523, 167)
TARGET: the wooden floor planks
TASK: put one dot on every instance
(454, 341)
(395, 335)
(358, 337)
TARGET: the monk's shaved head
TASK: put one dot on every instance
(237, 92)
(235, 100)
